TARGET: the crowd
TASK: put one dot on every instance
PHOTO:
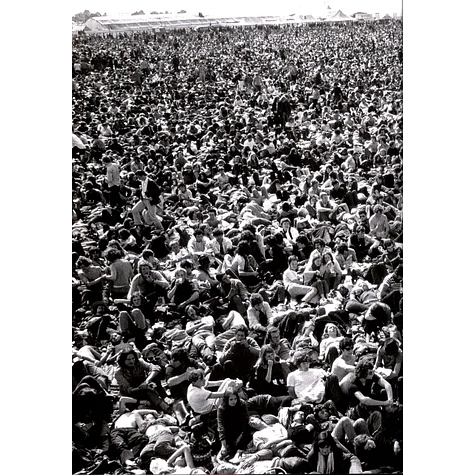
(237, 251)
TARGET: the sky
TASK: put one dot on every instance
(243, 7)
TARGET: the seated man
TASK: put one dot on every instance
(259, 315)
(199, 244)
(183, 291)
(366, 399)
(240, 354)
(306, 384)
(281, 346)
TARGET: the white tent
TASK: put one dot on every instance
(340, 16)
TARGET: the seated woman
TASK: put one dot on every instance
(329, 457)
(294, 283)
(313, 276)
(135, 379)
(329, 344)
(332, 273)
(269, 375)
(233, 424)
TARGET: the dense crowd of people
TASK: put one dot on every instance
(237, 250)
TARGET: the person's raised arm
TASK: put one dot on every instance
(134, 286)
(389, 390)
(123, 401)
(270, 365)
(379, 359)
(175, 380)
(113, 274)
(383, 289)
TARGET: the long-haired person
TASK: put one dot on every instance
(233, 424)
(269, 376)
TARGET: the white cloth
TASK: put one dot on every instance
(308, 385)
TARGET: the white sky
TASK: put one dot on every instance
(242, 7)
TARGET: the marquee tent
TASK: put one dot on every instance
(340, 16)
(169, 22)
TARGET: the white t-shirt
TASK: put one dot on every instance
(207, 320)
(273, 432)
(308, 385)
(198, 400)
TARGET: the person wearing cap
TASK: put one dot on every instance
(149, 198)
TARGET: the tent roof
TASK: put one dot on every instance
(340, 16)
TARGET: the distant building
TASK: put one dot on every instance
(363, 16)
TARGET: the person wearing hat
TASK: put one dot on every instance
(149, 198)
